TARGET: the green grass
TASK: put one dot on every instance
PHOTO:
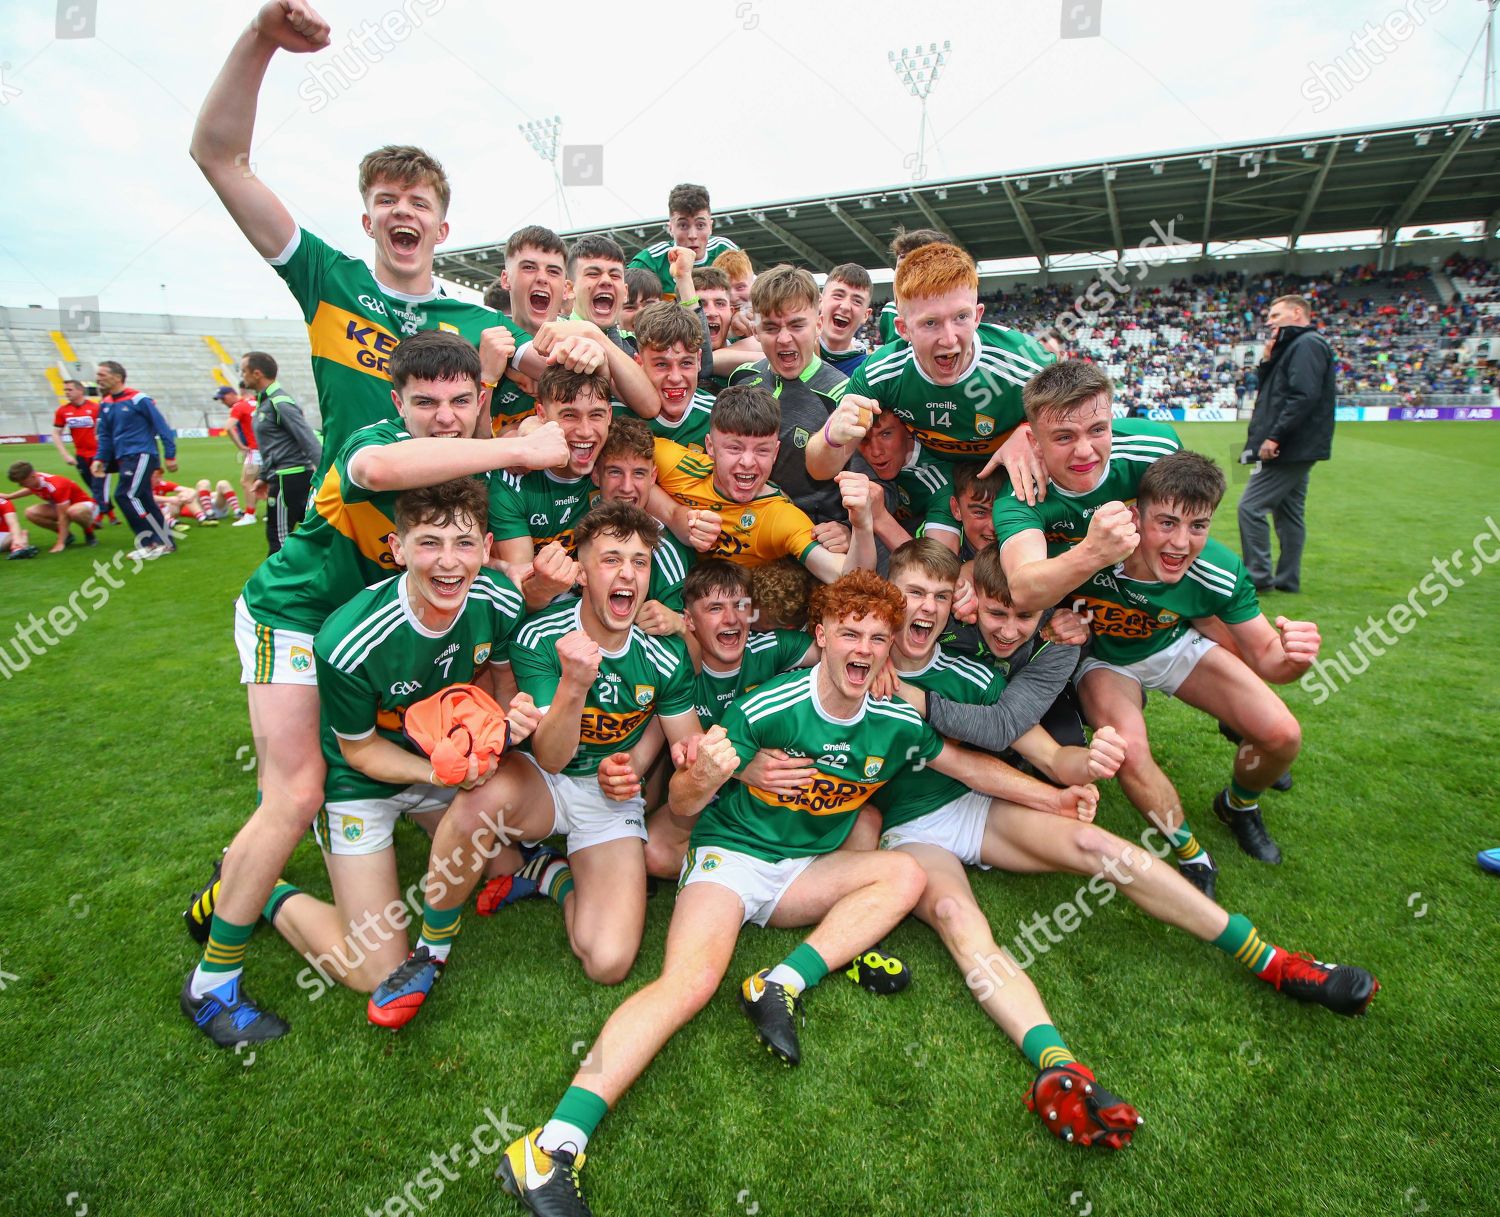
(123, 777)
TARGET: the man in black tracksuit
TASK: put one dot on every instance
(289, 451)
(1290, 430)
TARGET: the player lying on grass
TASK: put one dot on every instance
(343, 547)
(946, 828)
(64, 503)
(355, 316)
(1085, 525)
(441, 622)
(533, 513)
(14, 540)
(599, 683)
(722, 502)
(774, 860)
(1144, 613)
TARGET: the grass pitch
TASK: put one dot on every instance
(125, 764)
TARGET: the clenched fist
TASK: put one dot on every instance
(292, 25)
(523, 717)
(1300, 640)
(580, 657)
(716, 760)
(1106, 753)
(497, 347)
(541, 447)
(850, 421)
(617, 778)
(1112, 534)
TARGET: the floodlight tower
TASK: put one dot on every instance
(543, 134)
(918, 69)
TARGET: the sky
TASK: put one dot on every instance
(757, 99)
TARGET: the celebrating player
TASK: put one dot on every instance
(690, 223)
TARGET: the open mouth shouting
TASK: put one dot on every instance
(581, 456)
(405, 239)
(788, 360)
(919, 631)
(841, 321)
(539, 300)
(857, 673)
(947, 364)
(715, 327)
(1172, 563)
(602, 306)
(622, 604)
(743, 483)
(729, 637)
(447, 587)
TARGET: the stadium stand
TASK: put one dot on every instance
(179, 361)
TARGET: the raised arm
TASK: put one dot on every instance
(829, 450)
(413, 463)
(226, 123)
(1280, 654)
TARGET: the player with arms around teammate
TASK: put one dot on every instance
(774, 860)
(598, 682)
(344, 546)
(1144, 612)
(442, 621)
(355, 317)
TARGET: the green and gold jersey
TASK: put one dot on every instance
(513, 399)
(654, 258)
(538, 504)
(691, 430)
(967, 420)
(375, 659)
(1064, 515)
(766, 655)
(914, 792)
(353, 326)
(670, 562)
(854, 757)
(1132, 619)
(342, 546)
(646, 676)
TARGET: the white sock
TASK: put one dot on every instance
(787, 977)
(559, 1134)
(203, 982)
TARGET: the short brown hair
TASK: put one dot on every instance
(852, 273)
(782, 289)
(617, 520)
(735, 263)
(663, 324)
(534, 236)
(932, 557)
(444, 504)
(686, 199)
(1062, 387)
(715, 575)
(746, 409)
(433, 355)
(561, 385)
(117, 368)
(989, 576)
(934, 270)
(594, 247)
(259, 361)
(966, 480)
(641, 285)
(497, 296)
(859, 594)
(628, 436)
(780, 590)
(1187, 479)
(904, 242)
(710, 279)
(1297, 302)
(406, 166)
(20, 471)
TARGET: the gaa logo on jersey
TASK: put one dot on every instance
(301, 659)
(354, 828)
(800, 436)
(481, 652)
(984, 425)
(747, 520)
(1167, 617)
(872, 765)
(710, 862)
(644, 694)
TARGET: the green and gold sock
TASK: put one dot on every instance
(439, 929)
(1242, 940)
(1044, 1047)
(280, 894)
(1241, 799)
(1185, 844)
(800, 970)
(223, 955)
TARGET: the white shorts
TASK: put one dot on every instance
(252, 461)
(957, 827)
(760, 885)
(1165, 671)
(580, 809)
(366, 826)
(269, 656)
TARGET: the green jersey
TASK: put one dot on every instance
(375, 660)
(924, 485)
(915, 792)
(887, 323)
(654, 258)
(1064, 514)
(854, 757)
(1132, 619)
(670, 562)
(539, 505)
(766, 655)
(691, 430)
(646, 676)
(511, 400)
(971, 418)
(353, 325)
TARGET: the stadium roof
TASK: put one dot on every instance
(1439, 171)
